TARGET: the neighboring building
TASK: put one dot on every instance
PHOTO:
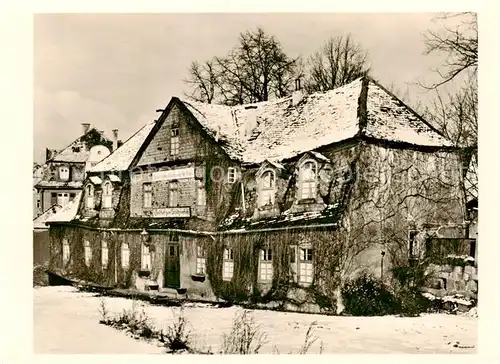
(61, 177)
(277, 201)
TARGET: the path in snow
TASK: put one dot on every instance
(67, 321)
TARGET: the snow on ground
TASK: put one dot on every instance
(67, 321)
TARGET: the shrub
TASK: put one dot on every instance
(177, 337)
(245, 336)
(367, 296)
(309, 339)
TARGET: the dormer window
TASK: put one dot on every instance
(308, 180)
(267, 185)
(64, 173)
(107, 193)
(174, 140)
(89, 192)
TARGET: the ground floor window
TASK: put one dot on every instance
(65, 251)
(266, 265)
(145, 257)
(87, 253)
(228, 264)
(104, 254)
(306, 269)
(201, 260)
(125, 255)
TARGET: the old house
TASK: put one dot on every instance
(63, 172)
(60, 179)
(276, 202)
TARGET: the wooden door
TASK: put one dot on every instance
(172, 266)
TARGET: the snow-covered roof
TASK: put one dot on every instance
(68, 212)
(95, 180)
(278, 129)
(39, 221)
(114, 178)
(122, 157)
(59, 184)
(78, 151)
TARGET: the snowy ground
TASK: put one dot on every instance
(67, 321)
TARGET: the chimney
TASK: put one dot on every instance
(251, 120)
(85, 128)
(115, 139)
(48, 154)
(298, 94)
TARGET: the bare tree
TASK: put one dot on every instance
(256, 70)
(458, 43)
(339, 61)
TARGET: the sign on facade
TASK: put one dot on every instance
(172, 212)
(173, 174)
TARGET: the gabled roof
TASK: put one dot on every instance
(78, 151)
(39, 221)
(277, 130)
(122, 157)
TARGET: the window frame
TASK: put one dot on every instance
(201, 196)
(201, 260)
(173, 194)
(266, 271)
(174, 141)
(125, 248)
(89, 196)
(269, 192)
(313, 192)
(104, 254)
(231, 175)
(228, 264)
(65, 176)
(305, 267)
(107, 195)
(146, 257)
(147, 190)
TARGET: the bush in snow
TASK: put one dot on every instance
(368, 296)
(245, 336)
(177, 337)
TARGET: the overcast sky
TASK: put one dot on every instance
(115, 70)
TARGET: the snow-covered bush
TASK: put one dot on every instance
(245, 336)
(368, 296)
(177, 336)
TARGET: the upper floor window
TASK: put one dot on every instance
(200, 193)
(64, 173)
(107, 193)
(174, 141)
(307, 180)
(267, 188)
(89, 191)
(173, 196)
(147, 192)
